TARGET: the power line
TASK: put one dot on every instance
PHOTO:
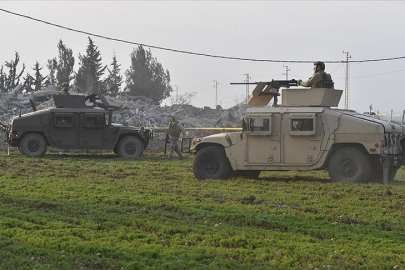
(298, 76)
(193, 84)
(380, 74)
(230, 78)
(265, 75)
(336, 68)
(209, 82)
(196, 53)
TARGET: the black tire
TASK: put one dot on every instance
(211, 162)
(247, 174)
(33, 145)
(130, 147)
(349, 165)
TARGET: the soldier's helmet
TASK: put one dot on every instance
(320, 64)
(65, 84)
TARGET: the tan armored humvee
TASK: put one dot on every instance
(303, 133)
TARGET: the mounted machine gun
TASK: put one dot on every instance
(268, 89)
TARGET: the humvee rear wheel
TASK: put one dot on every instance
(33, 145)
(130, 147)
(211, 162)
(349, 165)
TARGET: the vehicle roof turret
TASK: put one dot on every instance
(79, 101)
(323, 97)
(71, 101)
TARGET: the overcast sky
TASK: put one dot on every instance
(274, 30)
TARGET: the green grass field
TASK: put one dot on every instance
(75, 211)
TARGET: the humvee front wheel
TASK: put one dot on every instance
(211, 162)
(33, 145)
(349, 165)
(130, 147)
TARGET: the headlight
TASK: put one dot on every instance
(196, 141)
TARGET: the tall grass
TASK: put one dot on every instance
(76, 211)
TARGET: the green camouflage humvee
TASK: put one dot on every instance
(73, 125)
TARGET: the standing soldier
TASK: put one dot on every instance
(174, 131)
(320, 79)
(65, 89)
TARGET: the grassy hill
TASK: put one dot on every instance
(75, 211)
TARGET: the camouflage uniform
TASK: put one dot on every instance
(317, 80)
(174, 131)
(65, 89)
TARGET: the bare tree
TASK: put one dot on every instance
(10, 81)
(36, 82)
(183, 99)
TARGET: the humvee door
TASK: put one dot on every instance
(263, 139)
(92, 130)
(62, 129)
(303, 133)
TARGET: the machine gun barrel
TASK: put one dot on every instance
(275, 83)
(94, 94)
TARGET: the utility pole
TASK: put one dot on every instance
(286, 72)
(177, 94)
(347, 81)
(216, 94)
(247, 87)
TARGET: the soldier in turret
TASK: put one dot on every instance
(65, 89)
(174, 131)
(320, 79)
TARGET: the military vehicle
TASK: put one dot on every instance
(74, 125)
(303, 133)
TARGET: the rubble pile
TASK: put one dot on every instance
(130, 110)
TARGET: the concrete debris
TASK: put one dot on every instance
(130, 110)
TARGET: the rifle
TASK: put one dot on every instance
(166, 141)
(270, 89)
